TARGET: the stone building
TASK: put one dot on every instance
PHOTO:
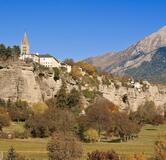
(43, 59)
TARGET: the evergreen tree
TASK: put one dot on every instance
(11, 155)
(74, 98)
(61, 100)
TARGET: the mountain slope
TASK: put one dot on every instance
(133, 57)
(155, 70)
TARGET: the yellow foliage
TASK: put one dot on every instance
(91, 135)
(90, 69)
(136, 157)
(39, 107)
(160, 150)
(76, 72)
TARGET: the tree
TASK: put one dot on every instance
(11, 155)
(147, 114)
(90, 69)
(69, 61)
(160, 150)
(19, 110)
(91, 135)
(124, 127)
(56, 73)
(74, 100)
(97, 155)
(39, 107)
(38, 126)
(61, 99)
(76, 73)
(64, 147)
(98, 115)
(52, 120)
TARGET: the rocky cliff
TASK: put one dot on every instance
(22, 81)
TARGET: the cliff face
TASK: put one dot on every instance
(19, 81)
(131, 98)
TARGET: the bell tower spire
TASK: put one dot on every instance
(25, 45)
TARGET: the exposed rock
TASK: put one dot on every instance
(21, 82)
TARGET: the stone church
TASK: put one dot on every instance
(43, 59)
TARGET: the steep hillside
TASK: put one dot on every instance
(133, 57)
(35, 83)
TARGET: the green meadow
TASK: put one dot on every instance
(36, 148)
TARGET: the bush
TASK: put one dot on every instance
(38, 126)
(90, 69)
(56, 73)
(21, 135)
(4, 120)
(53, 120)
(91, 135)
(97, 155)
(160, 150)
(64, 147)
(19, 110)
(88, 94)
(147, 114)
(39, 107)
(12, 155)
(75, 73)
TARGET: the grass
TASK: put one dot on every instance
(36, 148)
(19, 127)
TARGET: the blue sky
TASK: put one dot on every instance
(79, 28)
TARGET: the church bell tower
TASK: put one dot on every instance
(25, 45)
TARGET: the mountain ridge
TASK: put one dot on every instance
(132, 57)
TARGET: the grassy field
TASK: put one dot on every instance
(36, 148)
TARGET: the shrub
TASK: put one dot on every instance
(90, 69)
(97, 155)
(19, 110)
(91, 135)
(39, 107)
(56, 73)
(12, 155)
(53, 120)
(88, 94)
(160, 150)
(38, 126)
(147, 114)
(64, 147)
(75, 73)
(4, 120)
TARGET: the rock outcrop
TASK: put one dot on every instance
(20, 81)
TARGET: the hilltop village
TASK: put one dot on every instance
(43, 59)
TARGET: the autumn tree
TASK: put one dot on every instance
(99, 155)
(76, 73)
(64, 147)
(91, 135)
(98, 115)
(147, 114)
(52, 120)
(90, 69)
(160, 150)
